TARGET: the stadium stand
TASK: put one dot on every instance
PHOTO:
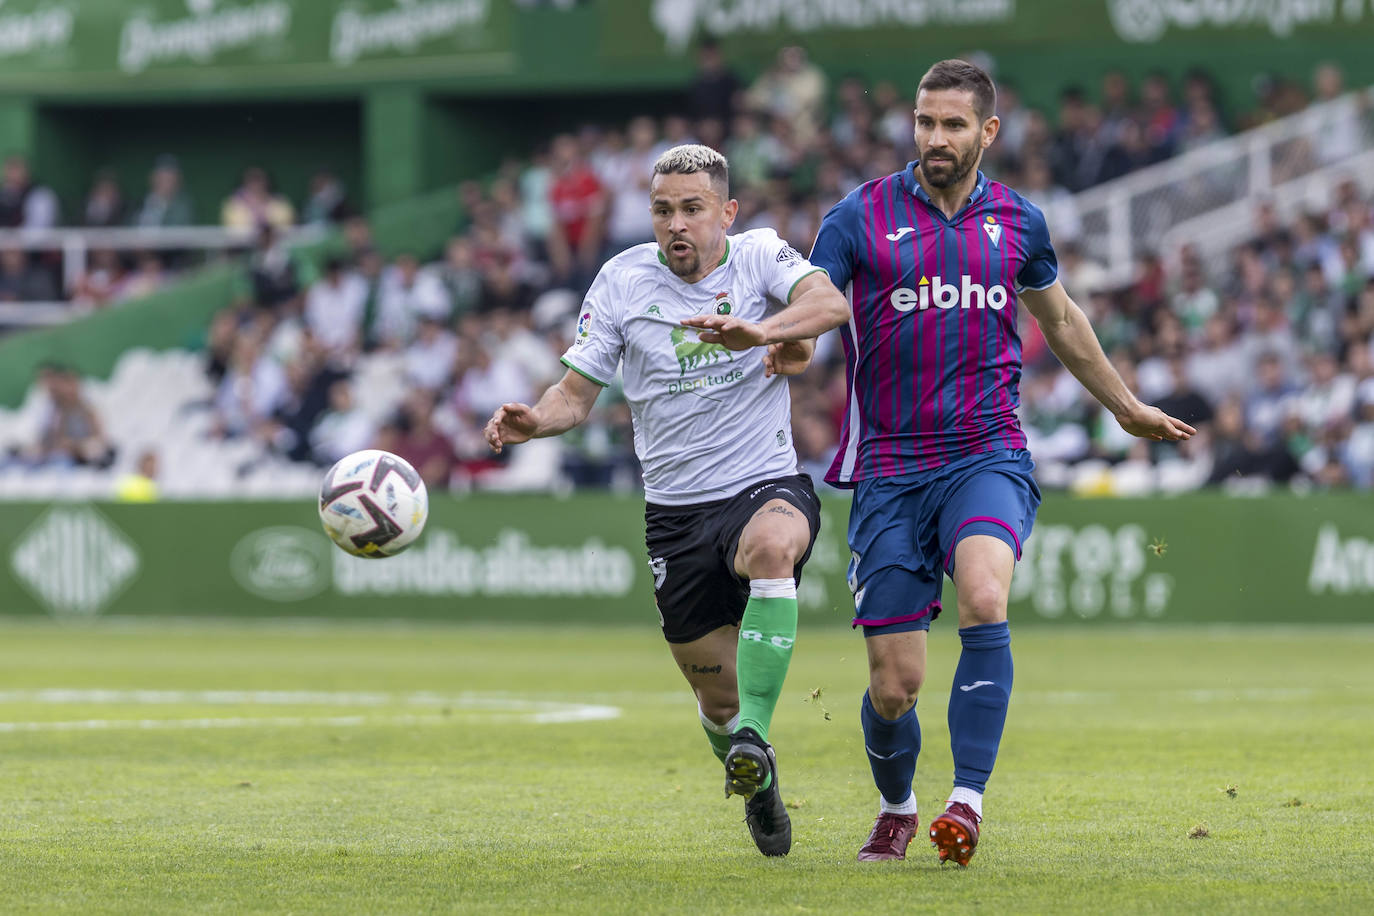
(1258, 327)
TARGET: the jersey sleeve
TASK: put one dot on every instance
(834, 248)
(780, 266)
(1042, 267)
(599, 340)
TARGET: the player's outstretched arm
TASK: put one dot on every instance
(1071, 337)
(561, 407)
(815, 306)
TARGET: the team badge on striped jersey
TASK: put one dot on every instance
(994, 231)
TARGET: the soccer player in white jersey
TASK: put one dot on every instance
(730, 522)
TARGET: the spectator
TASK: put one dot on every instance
(1201, 127)
(140, 484)
(1337, 125)
(1359, 448)
(626, 178)
(486, 381)
(406, 295)
(1269, 332)
(1011, 136)
(413, 435)
(166, 204)
(503, 289)
(342, 429)
(23, 281)
(253, 205)
(461, 276)
(753, 154)
(1184, 399)
(1159, 117)
(1220, 367)
(334, 307)
(147, 277)
(1328, 397)
(328, 201)
(711, 94)
(793, 89)
(1240, 453)
(102, 281)
(430, 358)
(308, 382)
(1271, 400)
(252, 391)
(23, 204)
(1195, 302)
(1129, 152)
(1061, 213)
(71, 431)
(536, 210)
(105, 202)
(273, 272)
(1069, 148)
(1116, 108)
(577, 236)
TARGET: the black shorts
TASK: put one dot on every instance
(692, 554)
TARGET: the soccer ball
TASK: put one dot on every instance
(373, 504)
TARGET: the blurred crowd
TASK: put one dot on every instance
(1269, 352)
(115, 273)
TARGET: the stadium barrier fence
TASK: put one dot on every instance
(1201, 558)
(178, 315)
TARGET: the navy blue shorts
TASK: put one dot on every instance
(903, 531)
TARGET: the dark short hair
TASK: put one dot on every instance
(960, 74)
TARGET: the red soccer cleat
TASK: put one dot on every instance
(955, 834)
(889, 839)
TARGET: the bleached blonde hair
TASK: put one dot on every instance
(690, 158)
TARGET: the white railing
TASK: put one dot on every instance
(1220, 230)
(76, 244)
(1148, 210)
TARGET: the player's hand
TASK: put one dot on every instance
(1152, 423)
(734, 333)
(510, 425)
(790, 357)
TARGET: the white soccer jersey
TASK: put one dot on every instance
(707, 423)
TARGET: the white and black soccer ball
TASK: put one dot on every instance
(373, 504)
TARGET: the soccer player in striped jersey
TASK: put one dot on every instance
(933, 260)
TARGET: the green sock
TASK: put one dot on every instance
(766, 634)
(718, 735)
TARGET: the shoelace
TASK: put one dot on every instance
(885, 844)
(966, 812)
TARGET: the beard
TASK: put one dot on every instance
(686, 265)
(948, 172)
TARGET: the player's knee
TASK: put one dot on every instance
(893, 693)
(770, 555)
(982, 601)
(719, 709)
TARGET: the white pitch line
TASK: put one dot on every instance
(464, 707)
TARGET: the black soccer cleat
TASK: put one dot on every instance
(747, 766)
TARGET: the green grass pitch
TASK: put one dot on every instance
(222, 767)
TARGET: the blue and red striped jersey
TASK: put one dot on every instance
(932, 350)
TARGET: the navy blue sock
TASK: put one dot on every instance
(978, 702)
(892, 745)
